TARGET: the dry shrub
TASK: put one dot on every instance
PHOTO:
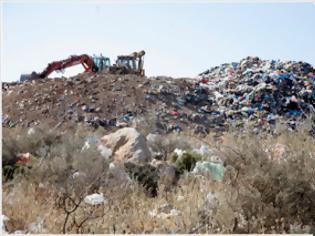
(266, 196)
(166, 144)
(257, 195)
(17, 141)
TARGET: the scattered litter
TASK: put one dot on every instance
(4, 218)
(211, 202)
(216, 169)
(77, 174)
(180, 198)
(105, 152)
(30, 131)
(179, 152)
(23, 158)
(89, 141)
(204, 150)
(164, 212)
(95, 199)
(37, 227)
(19, 232)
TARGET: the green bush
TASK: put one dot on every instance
(186, 162)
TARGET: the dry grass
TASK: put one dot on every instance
(264, 190)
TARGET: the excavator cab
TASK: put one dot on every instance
(26, 77)
(101, 63)
(130, 64)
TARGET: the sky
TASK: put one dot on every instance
(180, 39)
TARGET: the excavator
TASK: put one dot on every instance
(90, 64)
(125, 64)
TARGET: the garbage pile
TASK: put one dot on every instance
(252, 91)
(261, 91)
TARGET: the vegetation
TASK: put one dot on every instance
(268, 186)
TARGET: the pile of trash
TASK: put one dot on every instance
(259, 90)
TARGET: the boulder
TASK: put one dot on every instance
(127, 145)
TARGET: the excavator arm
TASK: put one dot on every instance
(85, 60)
(138, 56)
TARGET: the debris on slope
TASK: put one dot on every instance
(252, 91)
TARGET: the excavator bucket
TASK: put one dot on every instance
(33, 76)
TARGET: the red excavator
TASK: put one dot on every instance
(90, 64)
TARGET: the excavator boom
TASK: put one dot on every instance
(84, 59)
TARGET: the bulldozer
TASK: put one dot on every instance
(125, 64)
(129, 64)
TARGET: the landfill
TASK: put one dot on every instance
(252, 91)
(261, 90)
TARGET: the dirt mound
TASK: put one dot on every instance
(253, 91)
(94, 99)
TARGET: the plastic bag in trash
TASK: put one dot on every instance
(216, 169)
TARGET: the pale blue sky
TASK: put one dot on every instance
(179, 39)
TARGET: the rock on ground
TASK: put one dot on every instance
(127, 145)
